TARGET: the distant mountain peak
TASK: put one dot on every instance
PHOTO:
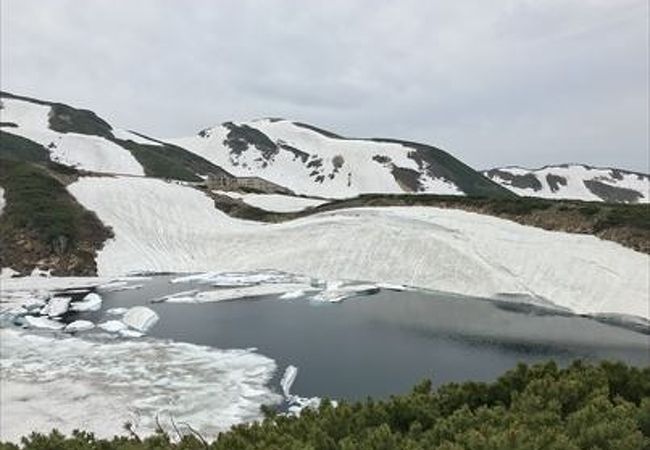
(575, 181)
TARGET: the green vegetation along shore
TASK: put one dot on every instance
(583, 406)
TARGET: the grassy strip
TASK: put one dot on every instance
(580, 407)
(18, 148)
(170, 161)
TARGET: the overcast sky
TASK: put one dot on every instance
(494, 82)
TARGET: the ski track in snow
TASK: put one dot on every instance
(69, 383)
(178, 229)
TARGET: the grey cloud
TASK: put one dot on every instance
(508, 82)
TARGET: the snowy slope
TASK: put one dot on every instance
(315, 162)
(73, 149)
(275, 202)
(178, 229)
(575, 181)
(34, 130)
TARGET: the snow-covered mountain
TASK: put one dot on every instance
(316, 162)
(178, 228)
(37, 130)
(575, 181)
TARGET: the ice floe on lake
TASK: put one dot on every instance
(296, 403)
(140, 318)
(247, 278)
(56, 307)
(79, 325)
(43, 322)
(69, 383)
(91, 302)
(112, 326)
(337, 291)
(239, 285)
(116, 311)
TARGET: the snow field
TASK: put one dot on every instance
(178, 229)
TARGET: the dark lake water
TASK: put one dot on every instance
(383, 344)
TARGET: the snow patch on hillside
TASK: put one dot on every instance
(79, 150)
(178, 229)
(3, 202)
(571, 181)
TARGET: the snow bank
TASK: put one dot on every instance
(178, 229)
(8, 272)
(70, 383)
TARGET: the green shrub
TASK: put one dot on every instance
(530, 407)
(37, 202)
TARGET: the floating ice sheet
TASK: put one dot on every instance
(91, 302)
(70, 383)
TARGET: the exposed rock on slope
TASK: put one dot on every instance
(575, 181)
(316, 162)
(36, 130)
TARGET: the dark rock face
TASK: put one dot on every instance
(297, 154)
(66, 119)
(381, 159)
(528, 181)
(408, 179)
(239, 138)
(612, 194)
(555, 181)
